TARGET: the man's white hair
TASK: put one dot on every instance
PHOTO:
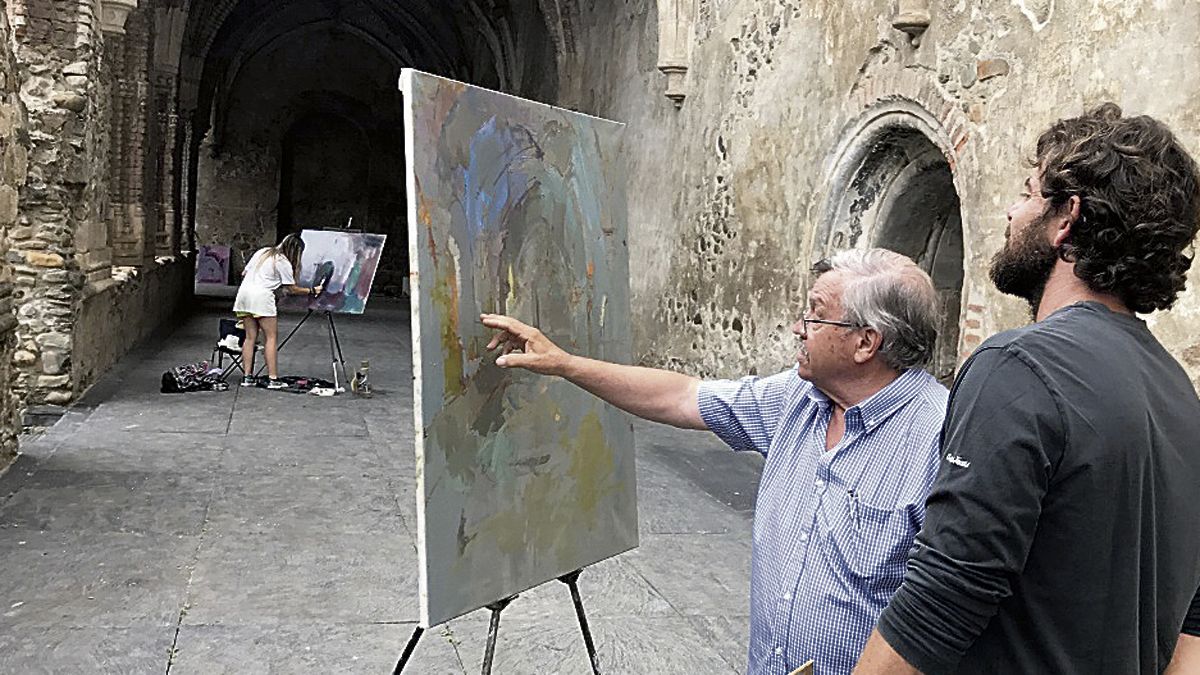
(890, 293)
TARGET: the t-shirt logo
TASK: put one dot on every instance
(956, 460)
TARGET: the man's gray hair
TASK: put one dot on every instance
(890, 293)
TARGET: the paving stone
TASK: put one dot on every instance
(309, 456)
(69, 501)
(553, 644)
(706, 574)
(36, 650)
(729, 635)
(273, 578)
(304, 506)
(309, 648)
(132, 451)
(92, 579)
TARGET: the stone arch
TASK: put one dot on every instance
(893, 186)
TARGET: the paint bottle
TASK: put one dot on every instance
(361, 386)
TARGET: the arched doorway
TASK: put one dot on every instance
(324, 174)
(893, 188)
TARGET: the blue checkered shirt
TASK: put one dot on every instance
(832, 529)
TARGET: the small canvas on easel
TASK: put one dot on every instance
(344, 263)
(518, 208)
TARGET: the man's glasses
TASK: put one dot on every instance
(828, 322)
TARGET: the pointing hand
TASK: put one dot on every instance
(524, 346)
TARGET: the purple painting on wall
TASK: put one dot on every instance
(212, 264)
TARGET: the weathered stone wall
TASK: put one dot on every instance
(59, 241)
(13, 169)
(115, 319)
(730, 196)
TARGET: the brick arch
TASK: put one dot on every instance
(894, 180)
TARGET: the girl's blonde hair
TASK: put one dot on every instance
(291, 248)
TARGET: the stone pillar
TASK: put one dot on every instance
(167, 239)
(132, 226)
(14, 163)
(58, 243)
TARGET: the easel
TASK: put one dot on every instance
(335, 348)
(571, 580)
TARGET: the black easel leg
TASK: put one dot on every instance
(571, 580)
(337, 345)
(490, 651)
(279, 347)
(408, 650)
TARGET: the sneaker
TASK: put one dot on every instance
(276, 384)
(248, 381)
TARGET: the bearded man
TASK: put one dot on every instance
(1062, 534)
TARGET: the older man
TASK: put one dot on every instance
(1063, 533)
(850, 437)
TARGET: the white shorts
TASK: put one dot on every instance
(254, 301)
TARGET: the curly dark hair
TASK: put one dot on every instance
(1139, 203)
(1139, 207)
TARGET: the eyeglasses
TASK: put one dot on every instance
(828, 322)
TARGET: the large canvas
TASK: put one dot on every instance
(344, 263)
(518, 208)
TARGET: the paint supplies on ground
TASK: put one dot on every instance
(192, 377)
(360, 384)
(302, 385)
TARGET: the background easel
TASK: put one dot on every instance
(571, 580)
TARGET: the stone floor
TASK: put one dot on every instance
(252, 531)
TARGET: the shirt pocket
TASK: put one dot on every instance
(880, 540)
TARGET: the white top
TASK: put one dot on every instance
(274, 272)
(256, 295)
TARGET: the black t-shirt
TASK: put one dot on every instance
(1062, 534)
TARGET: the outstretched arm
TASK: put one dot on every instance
(304, 290)
(649, 393)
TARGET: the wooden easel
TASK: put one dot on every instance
(806, 669)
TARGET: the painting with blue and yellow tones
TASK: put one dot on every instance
(344, 263)
(515, 208)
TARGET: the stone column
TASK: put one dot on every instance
(132, 227)
(59, 242)
(14, 163)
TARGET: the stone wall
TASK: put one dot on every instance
(59, 242)
(733, 194)
(13, 169)
(116, 318)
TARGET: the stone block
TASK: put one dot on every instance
(70, 101)
(24, 358)
(54, 361)
(59, 397)
(54, 340)
(40, 259)
(53, 381)
(8, 205)
(989, 68)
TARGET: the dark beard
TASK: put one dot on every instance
(1023, 266)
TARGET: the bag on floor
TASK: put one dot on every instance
(191, 377)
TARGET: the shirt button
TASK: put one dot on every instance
(779, 651)
(803, 536)
(787, 596)
(818, 483)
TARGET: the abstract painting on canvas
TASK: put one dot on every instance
(518, 208)
(344, 263)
